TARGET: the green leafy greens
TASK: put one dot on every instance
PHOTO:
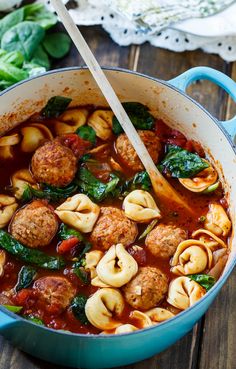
(78, 308)
(181, 163)
(13, 308)
(31, 256)
(205, 280)
(26, 276)
(55, 106)
(48, 192)
(87, 133)
(139, 116)
(57, 44)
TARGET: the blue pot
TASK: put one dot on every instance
(91, 351)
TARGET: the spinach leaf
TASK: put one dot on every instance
(78, 308)
(14, 57)
(5, 84)
(24, 37)
(13, 309)
(26, 276)
(48, 192)
(94, 188)
(205, 280)
(65, 233)
(31, 256)
(82, 274)
(55, 106)
(10, 73)
(181, 163)
(33, 319)
(87, 133)
(33, 69)
(38, 13)
(57, 44)
(141, 181)
(11, 20)
(139, 116)
(40, 58)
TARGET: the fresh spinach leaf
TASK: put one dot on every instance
(205, 280)
(78, 308)
(10, 73)
(65, 233)
(139, 116)
(56, 106)
(38, 13)
(33, 69)
(13, 309)
(31, 256)
(57, 44)
(82, 274)
(14, 57)
(181, 163)
(40, 58)
(10, 20)
(48, 192)
(26, 276)
(25, 37)
(87, 133)
(94, 188)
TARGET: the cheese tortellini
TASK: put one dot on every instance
(158, 315)
(125, 328)
(2, 262)
(104, 307)
(201, 181)
(210, 239)
(71, 120)
(6, 145)
(8, 206)
(79, 212)
(140, 206)
(92, 259)
(141, 318)
(117, 267)
(191, 257)
(20, 180)
(217, 220)
(33, 135)
(183, 292)
(101, 122)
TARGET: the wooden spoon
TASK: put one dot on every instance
(160, 185)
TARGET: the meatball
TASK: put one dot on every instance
(146, 289)
(113, 227)
(129, 156)
(54, 164)
(54, 293)
(34, 225)
(164, 239)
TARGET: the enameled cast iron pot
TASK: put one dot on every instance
(181, 112)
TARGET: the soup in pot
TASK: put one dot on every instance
(85, 244)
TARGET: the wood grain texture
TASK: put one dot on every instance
(211, 344)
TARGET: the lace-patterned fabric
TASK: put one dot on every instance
(125, 28)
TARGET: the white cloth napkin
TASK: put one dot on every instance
(171, 24)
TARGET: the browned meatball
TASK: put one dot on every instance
(54, 293)
(34, 225)
(129, 156)
(54, 164)
(163, 240)
(146, 289)
(113, 227)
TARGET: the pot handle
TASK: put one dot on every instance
(194, 74)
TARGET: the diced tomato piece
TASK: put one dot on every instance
(25, 297)
(75, 143)
(224, 203)
(194, 146)
(138, 253)
(169, 135)
(67, 245)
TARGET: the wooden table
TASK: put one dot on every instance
(212, 343)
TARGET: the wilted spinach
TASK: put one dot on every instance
(26, 276)
(66, 232)
(205, 280)
(33, 319)
(138, 114)
(55, 106)
(94, 188)
(78, 308)
(181, 163)
(87, 133)
(48, 192)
